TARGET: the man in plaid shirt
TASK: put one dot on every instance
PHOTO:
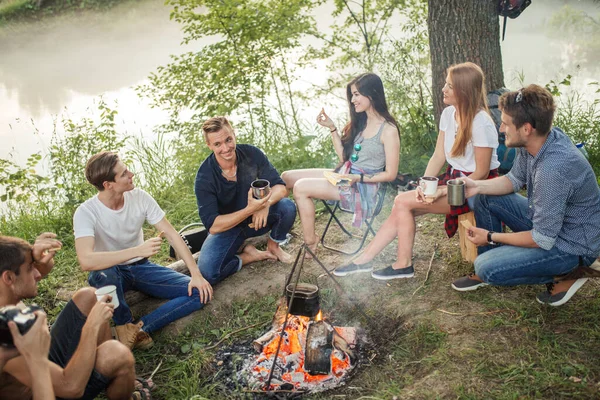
(556, 228)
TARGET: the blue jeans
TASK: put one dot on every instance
(153, 280)
(511, 265)
(218, 257)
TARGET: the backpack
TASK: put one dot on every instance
(511, 9)
(506, 155)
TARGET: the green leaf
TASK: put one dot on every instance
(186, 348)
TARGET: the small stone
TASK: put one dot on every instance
(219, 363)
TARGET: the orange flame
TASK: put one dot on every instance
(295, 334)
(319, 316)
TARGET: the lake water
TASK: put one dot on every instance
(62, 65)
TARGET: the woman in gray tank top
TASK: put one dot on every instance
(368, 149)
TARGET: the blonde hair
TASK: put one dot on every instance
(215, 124)
(468, 83)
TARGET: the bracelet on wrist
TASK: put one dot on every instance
(333, 130)
(489, 238)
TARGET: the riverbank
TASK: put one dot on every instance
(12, 11)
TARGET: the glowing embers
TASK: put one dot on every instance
(313, 356)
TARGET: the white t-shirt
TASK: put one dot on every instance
(115, 230)
(484, 135)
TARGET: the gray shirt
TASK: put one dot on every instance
(372, 154)
(563, 196)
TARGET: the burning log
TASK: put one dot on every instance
(344, 346)
(319, 345)
(260, 343)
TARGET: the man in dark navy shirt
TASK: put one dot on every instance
(556, 228)
(230, 212)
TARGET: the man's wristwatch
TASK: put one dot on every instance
(362, 177)
(489, 238)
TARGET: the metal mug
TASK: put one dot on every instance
(260, 188)
(456, 192)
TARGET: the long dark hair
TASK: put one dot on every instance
(368, 85)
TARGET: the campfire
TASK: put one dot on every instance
(309, 355)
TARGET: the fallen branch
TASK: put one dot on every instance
(233, 333)
(155, 369)
(469, 314)
(428, 269)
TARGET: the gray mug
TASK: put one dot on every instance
(260, 188)
(456, 192)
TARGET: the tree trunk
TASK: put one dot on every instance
(460, 31)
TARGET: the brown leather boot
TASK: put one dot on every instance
(132, 336)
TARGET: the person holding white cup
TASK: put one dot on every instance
(467, 141)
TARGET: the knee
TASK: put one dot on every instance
(481, 202)
(209, 269)
(403, 201)
(287, 178)
(302, 188)
(85, 299)
(113, 358)
(287, 207)
(483, 268)
(103, 277)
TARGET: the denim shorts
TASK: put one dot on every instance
(65, 335)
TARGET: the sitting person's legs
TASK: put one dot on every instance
(164, 283)
(218, 258)
(401, 224)
(512, 265)
(305, 190)
(121, 277)
(291, 177)
(114, 368)
(279, 222)
(492, 211)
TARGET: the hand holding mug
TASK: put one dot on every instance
(427, 189)
(471, 187)
(257, 204)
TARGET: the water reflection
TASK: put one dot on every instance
(67, 62)
(44, 65)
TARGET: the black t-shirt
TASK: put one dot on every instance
(216, 195)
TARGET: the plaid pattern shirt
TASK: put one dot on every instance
(360, 198)
(451, 223)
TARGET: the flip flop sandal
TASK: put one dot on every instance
(141, 394)
(142, 383)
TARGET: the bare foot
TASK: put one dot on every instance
(251, 254)
(313, 248)
(281, 255)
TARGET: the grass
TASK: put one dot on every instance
(433, 343)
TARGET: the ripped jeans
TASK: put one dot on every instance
(153, 280)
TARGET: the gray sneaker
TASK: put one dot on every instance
(352, 268)
(390, 273)
(561, 298)
(467, 283)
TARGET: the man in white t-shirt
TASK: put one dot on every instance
(110, 245)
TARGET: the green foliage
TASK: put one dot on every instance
(407, 77)
(581, 31)
(20, 184)
(69, 153)
(579, 117)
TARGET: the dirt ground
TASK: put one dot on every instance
(426, 337)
